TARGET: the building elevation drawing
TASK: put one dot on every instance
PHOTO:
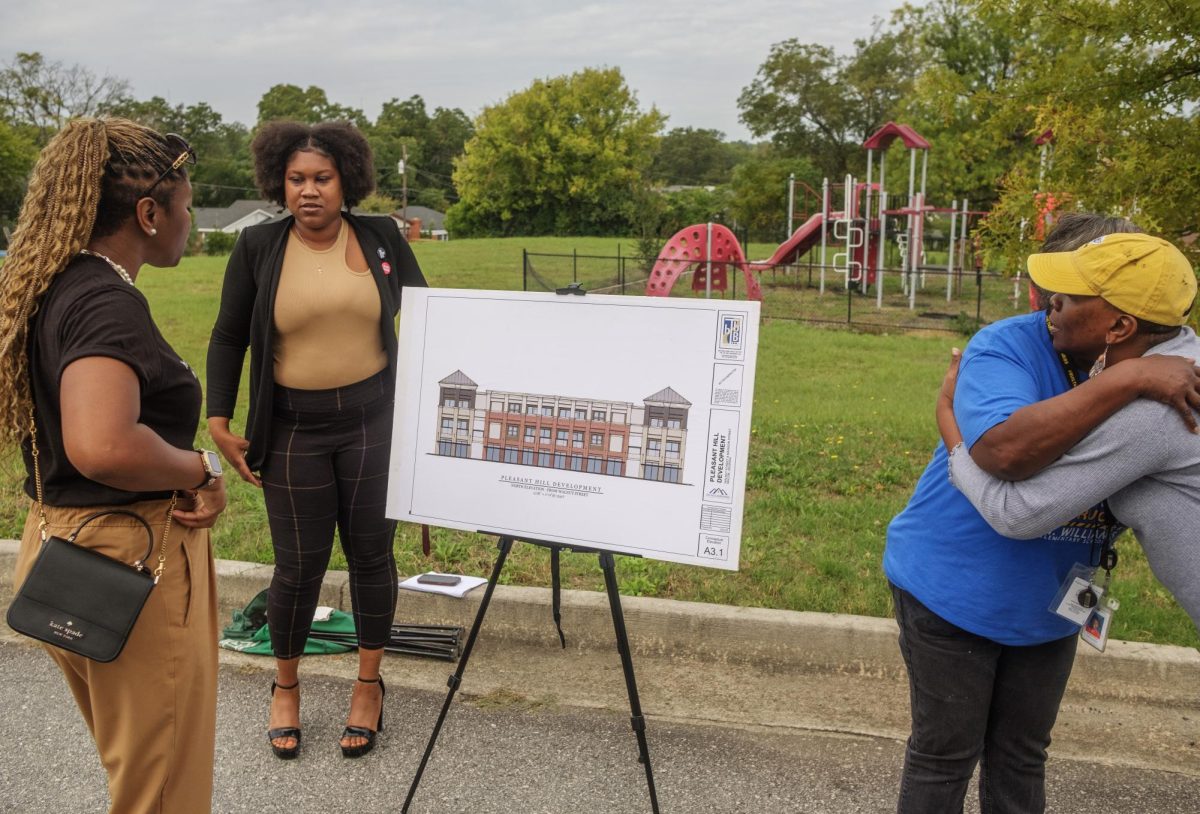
(618, 438)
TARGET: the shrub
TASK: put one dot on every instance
(219, 242)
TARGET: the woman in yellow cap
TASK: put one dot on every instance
(1118, 298)
(988, 659)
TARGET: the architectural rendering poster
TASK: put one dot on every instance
(615, 423)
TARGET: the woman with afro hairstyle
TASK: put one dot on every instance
(314, 297)
(89, 386)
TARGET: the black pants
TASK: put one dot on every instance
(976, 700)
(327, 467)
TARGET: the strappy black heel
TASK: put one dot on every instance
(282, 752)
(361, 731)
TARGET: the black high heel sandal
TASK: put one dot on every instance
(361, 731)
(282, 752)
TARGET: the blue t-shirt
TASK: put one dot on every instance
(943, 552)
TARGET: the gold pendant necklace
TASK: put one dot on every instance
(317, 253)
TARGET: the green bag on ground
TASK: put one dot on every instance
(248, 631)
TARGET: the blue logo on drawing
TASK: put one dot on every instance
(731, 331)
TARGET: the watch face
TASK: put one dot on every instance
(213, 460)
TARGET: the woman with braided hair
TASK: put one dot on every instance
(114, 411)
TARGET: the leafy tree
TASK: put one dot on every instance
(309, 105)
(433, 142)
(1117, 83)
(17, 154)
(693, 157)
(759, 190)
(378, 204)
(40, 96)
(812, 103)
(688, 206)
(224, 171)
(567, 155)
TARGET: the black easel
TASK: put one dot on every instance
(614, 602)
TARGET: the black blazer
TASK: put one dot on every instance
(247, 315)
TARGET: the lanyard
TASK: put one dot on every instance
(1106, 558)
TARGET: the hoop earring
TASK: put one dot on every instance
(1098, 365)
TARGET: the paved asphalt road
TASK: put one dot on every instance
(502, 753)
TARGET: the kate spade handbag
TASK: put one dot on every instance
(81, 600)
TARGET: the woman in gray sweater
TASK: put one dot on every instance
(1143, 459)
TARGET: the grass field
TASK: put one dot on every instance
(842, 427)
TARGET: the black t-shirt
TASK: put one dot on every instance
(89, 310)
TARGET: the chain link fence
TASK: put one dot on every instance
(930, 298)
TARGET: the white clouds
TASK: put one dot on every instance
(690, 59)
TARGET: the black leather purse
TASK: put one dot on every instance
(81, 600)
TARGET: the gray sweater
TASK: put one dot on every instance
(1143, 459)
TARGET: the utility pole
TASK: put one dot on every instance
(404, 175)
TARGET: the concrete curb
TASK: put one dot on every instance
(770, 640)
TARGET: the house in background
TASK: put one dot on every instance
(235, 217)
(430, 222)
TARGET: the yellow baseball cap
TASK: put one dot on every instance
(1139, 274)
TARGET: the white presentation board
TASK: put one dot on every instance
(610, 422)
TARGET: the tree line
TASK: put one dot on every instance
(1112, 84)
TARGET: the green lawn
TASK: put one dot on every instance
(843, 426)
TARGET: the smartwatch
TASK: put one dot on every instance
(212, 467)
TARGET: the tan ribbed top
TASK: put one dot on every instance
(326, 319)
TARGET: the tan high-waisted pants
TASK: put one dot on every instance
(152, 711)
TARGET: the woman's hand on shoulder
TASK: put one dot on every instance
(233, 448)
(200, 508)
(1172, 380)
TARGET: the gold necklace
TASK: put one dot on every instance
(317, 252)
(117, 267)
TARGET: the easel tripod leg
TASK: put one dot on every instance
(635, 707)
(455, 680)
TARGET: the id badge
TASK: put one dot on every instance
(1095, 630)
(1079, 596)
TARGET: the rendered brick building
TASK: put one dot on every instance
(618, 438)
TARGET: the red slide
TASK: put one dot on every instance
(803, 239)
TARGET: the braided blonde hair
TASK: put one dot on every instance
(86, 162)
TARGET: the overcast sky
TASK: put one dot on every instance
(691, 60)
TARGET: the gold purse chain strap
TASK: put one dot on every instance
(43, 523)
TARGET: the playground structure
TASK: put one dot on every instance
(857, 231)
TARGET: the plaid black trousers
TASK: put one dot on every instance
(327, 468)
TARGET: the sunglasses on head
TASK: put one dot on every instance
(187, 156)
